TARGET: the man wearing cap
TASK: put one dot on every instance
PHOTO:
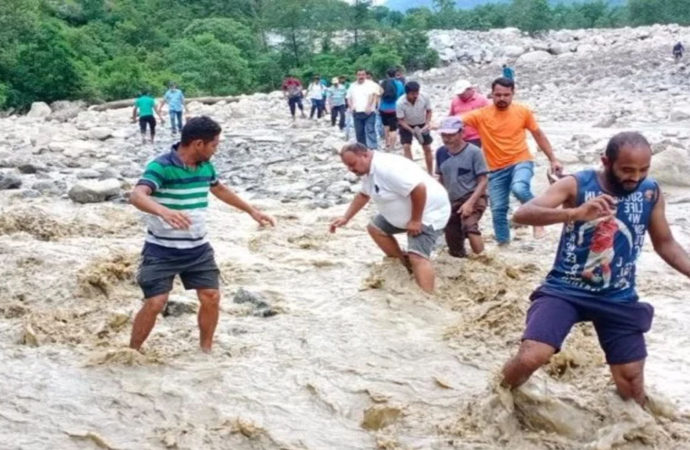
(462, 170)
(335, 99)
(467, 99)
(409, 201)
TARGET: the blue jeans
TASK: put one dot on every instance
(516, 179)
(176, 120)
(365, 129)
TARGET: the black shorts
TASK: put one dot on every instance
(156, 275)
(150, 120)
(390, 120)
(406, 137)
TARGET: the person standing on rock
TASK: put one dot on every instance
(409, 201)
(413, 111)
(467, 99)
(502, 128)
(175, 100)
(678, 50)
(174, 192)
(621, 192)
(361, 100)
(144, 107)
(508, 72)
(335, 97)
(292, 91)
(462, 171)
(392, 90)
(315, 94)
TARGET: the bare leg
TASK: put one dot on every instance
(388, 244)
(531, 356)
(146, 319)
(423, 272)
(476, 242)
(429, 158)
(387, 137)
(392, 138)
(208, 316)
(629, 379)
(407, 151)
(539, 232)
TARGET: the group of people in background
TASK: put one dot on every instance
(145, 106)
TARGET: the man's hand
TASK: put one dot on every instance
(177, 219)
(262, 219)
(369, 110)
(338, 223)
(414, 227)
(425, 129)
(466, 209)
(603, 206)
(556, 167)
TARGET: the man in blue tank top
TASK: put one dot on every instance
(606, 215)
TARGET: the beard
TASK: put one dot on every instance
(619, 186)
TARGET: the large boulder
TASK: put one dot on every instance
(94, 191)
(100, 133)
(39, 110)
(533, 58)
(64, 110)
(672, 166)
(513, 51)
(680, 114)
(9, 181)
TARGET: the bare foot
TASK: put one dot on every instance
(539, 232)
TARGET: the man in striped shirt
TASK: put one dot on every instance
(174, 192)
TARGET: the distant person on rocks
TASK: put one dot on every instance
(508, 72)
(502, 128)
(462, 170)
(413, 111)
(408, 200)
(581, 202)
(293, 92)
(144, 108)
(467, 99)
(392, 90)
(315, 93)
(174, 192)
(335, 97)
(361, 100)
(175, 100)
(678, 50)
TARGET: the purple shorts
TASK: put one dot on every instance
(619, 326)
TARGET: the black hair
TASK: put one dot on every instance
(391, 72)
(354, 147)
(503, 81)
(411, 86)
(625, 139)
(362, 70)
(202, 127)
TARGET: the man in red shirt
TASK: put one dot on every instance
(467, 99)
(292, 90)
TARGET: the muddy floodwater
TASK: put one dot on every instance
(342, 351)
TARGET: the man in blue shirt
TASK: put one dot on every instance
(392, 89)
(335, 96)
(508, 72)
(175, 100)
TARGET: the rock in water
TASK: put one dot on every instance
(260, 306)
(39, 110)
(672, 166)
(179, 307)
(94, 191)
(9, 181)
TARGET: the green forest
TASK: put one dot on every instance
(101, 50)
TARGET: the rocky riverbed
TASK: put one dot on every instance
(322, 343)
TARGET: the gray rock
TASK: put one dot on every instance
(679, 114)
(260, 307)
(531, 58)
(179, 307)
(672, 167)
(28, 168)
(88, 174)
(48, 187)
(94, 191)
(9, 181)
(39, 110)
(100, 133)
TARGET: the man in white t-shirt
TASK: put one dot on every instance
(361, 100)
(408, 199)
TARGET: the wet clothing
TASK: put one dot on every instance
(423, 244)
(516, 180)
(460, 227)
(147, 121)
(460, 171)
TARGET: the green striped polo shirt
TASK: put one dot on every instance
(182, 188)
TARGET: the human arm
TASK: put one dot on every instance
(226, 195)
(665, 245)
(467, 207)
(427, 121)
(545, 209)
(418, 199)
(357, 204)
(141, 199)
(135, 112)
(545, 146)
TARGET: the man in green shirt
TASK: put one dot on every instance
(173, 191)
(144, 106)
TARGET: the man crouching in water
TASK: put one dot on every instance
(409, 201)
(606, 215)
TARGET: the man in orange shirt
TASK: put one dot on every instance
(502, 128)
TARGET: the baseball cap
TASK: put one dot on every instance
(450, 125)
(335, 80)
(461, 86)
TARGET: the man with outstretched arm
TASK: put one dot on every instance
(174, 192)
(409, 201)
(606, 215)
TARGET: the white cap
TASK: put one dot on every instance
(461, 86)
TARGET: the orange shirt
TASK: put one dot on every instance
(503, 133)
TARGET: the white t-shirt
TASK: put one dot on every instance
(358, 95)
(315, 91)
(389, 184)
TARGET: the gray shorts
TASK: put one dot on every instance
(422, 244)
(156, 275)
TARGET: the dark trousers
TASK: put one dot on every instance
(295, 102)
(335, 111)
(365, 125)
(317, 105)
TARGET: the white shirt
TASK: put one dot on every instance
(315, 90)
(389, 184)
(358, 95)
